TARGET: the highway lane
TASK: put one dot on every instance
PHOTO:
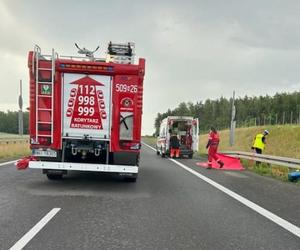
(168, 208)
(281, 198)
(278, 197)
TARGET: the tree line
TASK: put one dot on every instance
(281, 108)
(9, 122)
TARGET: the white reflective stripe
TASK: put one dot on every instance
(83, 167)
(7, 163)
(33, 231)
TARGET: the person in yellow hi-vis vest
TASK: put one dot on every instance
(259, 143)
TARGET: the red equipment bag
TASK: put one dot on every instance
(24, 162)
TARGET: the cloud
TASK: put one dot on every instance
(194, 50)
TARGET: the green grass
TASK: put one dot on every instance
(4, 136)
(149, 140)
(277, 172)
(13, 149)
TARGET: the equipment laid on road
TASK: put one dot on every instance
(230, 163)
(186, 128)
(85, 112)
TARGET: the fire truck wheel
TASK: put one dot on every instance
(191, 155)
(131, 178)
(54, 176)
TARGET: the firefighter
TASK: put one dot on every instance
(212, 146)
(259, 143)
(174, 146)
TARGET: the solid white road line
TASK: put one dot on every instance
(33, 231)
(7, 163)
(269, 215)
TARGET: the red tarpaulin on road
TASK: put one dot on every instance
(230, 163)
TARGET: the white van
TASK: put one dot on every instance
(186, 128)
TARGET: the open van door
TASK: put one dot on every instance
(195, 134)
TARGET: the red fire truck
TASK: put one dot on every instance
(85, 112)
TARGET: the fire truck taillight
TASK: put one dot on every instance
(130, 145)
(41, 141)
(44, 141)
(135, 146)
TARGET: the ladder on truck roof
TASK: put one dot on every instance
(42, 88)
(120, 53)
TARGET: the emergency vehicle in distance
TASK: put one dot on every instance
(85, 112)
(186, 129)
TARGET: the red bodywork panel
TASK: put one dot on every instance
(123, 75)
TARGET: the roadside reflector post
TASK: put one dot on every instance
(20, 110)
(233, 121)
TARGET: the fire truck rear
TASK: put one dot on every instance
(85, 112)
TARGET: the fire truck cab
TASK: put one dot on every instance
(186, 128)
(85, 112)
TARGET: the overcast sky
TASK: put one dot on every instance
(194, 50)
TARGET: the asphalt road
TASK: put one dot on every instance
(167, 208)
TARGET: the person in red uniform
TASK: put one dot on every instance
(174, 146)
(212, 146)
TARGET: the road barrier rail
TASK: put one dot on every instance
(271, 159)
(13, 140)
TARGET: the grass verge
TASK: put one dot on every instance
(149, 140)
(13, 146)
(277, 172)
(13, 150)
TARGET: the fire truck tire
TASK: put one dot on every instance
(54, 176)
(191, 155)
(131, 178)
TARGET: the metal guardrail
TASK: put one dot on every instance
(271, 159)
(14, 141)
